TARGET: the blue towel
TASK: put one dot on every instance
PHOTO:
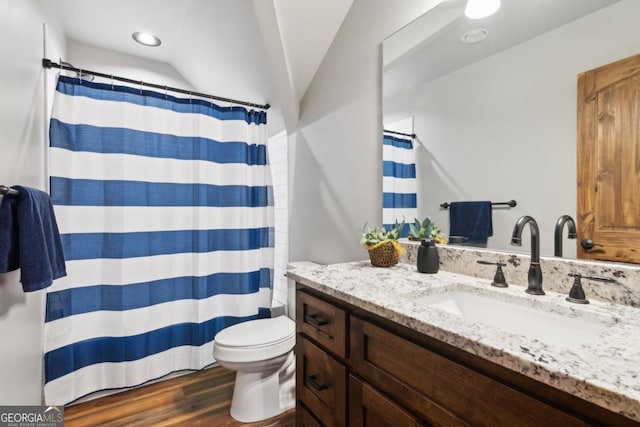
(9, 247)
(472, 220)
(41, 259)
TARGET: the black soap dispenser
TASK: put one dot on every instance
(428, 259)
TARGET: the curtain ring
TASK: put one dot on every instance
(141, 83)
(60, 71)
(80, 74)
(189, 97)
(112, 82)
(165, 93)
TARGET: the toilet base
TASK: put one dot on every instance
(265, 394)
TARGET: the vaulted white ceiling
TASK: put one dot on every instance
(307, 29)
(219, 46)
(431, 46)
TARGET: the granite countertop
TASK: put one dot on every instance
(604, 370)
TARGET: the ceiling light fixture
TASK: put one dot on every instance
(478, 9)
(474, 36)
(146, 39)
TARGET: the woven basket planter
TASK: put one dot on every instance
(385, 255)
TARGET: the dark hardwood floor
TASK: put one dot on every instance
(197, 399)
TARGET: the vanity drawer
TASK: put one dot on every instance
(305, 419)
(441, 391)
(323, 322)
(368, 407)
(321, 383)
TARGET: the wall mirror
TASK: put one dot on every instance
(495, 119)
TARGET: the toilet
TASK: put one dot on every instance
(261, 352)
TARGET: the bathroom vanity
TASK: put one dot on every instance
(395, 347)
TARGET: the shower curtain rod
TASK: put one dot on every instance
(412, 135)
(47, 63)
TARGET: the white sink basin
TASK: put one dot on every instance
(545, 326)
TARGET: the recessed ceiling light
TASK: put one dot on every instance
(146, 39)
(478, 9)
(474, 36)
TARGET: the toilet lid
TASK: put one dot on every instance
(257, 333)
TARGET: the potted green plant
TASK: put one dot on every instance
(382, 245)
(426, 229)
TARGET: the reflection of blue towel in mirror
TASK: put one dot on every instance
(472, 220)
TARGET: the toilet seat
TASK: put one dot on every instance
(255, 340)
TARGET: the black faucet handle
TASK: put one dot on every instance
(576, 294)
(498, 263)
(498, 279)
(579, 276)
(600, 279)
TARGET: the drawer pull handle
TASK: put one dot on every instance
(311, 379)
(314, 321)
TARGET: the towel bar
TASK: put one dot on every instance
(510, 203)
(4, 190)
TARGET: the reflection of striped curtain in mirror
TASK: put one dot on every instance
(166, 213)
(399, 200)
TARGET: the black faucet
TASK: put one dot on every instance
(535, 273)
(557, 236)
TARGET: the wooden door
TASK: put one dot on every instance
(608, 154)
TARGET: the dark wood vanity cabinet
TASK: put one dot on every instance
(321, 372)
(368, 407)
(357, 369)
(440, 391)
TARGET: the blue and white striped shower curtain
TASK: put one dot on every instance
(166, 214)
(399, 199)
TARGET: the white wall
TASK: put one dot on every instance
(335, 156)
(277, 145)
(505, 128)
(23, 144)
